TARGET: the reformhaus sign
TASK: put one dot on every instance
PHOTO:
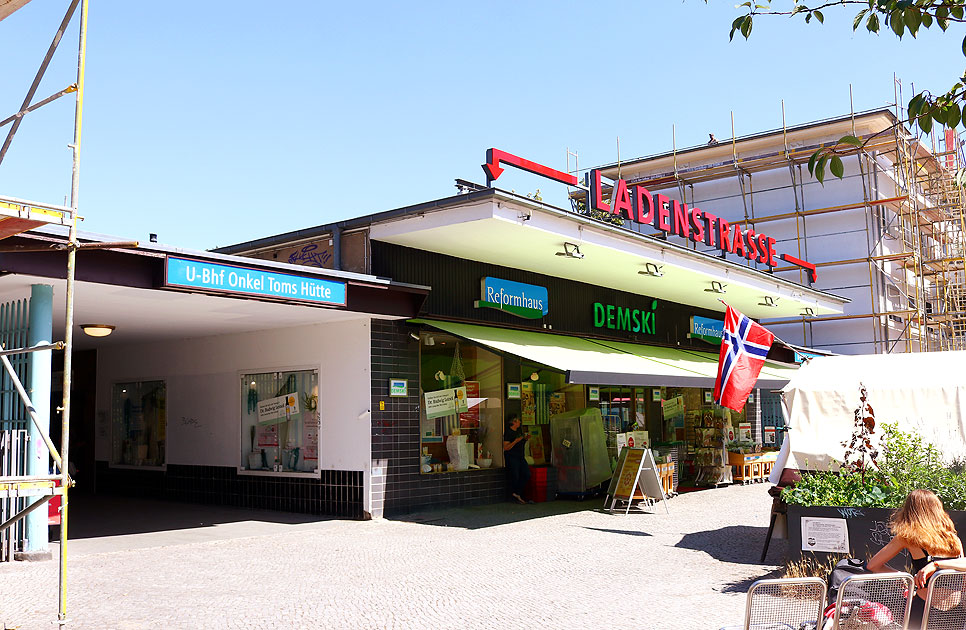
(517, 298)
(186, 273)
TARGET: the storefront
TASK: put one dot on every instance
(222, 380)
(369, 367)
(536, 311)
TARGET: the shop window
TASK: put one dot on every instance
(280, 421)
(461, 418)
(544, 393)
(139, 423)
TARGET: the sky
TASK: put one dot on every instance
(213, 123)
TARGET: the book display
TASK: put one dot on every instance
(707, 431)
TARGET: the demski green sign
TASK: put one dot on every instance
(626, 318)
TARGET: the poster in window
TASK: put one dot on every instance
(278, 409)
(470, 419)
(535, 445)
(445, 402)
(558, 403)
(310, 433)
(267, 435)
(528, 403)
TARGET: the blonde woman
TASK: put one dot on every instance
(923, 528)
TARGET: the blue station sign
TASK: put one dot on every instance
(232, 279)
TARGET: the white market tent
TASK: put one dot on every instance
(923, 393)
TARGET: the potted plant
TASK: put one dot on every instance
(877, 473)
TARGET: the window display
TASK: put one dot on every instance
(461, 418)
(139, 420)
(280, 421)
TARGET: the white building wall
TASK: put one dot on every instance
(204, 398)
(834, 236)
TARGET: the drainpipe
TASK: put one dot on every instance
(337, 247)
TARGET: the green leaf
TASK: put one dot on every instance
(872, 25)
(818, 16)
(858, 19)
(836, 166)
(915, 103)
(953, 115)
(911, 19)
(735, 26)
(925, 122)
(939, 114)
(926, 20)
(812, 160)
(964, 46)
(820, 169)
(895, 21)
(852, 140)
(957, 11)
(746, 27)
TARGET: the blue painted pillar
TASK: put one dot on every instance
(39, 331)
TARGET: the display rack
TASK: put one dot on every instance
(705, 433)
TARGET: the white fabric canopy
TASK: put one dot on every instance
(924, 393)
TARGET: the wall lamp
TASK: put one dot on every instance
(652, 269)
(97, 330)
(716, 287)
(770, 302)
(571, 251)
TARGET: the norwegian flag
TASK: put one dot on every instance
(743, 349)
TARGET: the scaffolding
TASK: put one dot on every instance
(913, 214)
(32, 492)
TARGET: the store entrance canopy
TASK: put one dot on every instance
(596, 362)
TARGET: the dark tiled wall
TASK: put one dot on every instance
(395, 436)
(337, 493)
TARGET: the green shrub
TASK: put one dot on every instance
(906, 463)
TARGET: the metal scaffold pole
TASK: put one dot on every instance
(69, 319)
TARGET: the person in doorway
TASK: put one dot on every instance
(923, 528)
(514, 457)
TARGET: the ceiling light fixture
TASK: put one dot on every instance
(770, 302)
(97, 330)
(716, 287)
(652, 269)
(571, 251)
(534, 376)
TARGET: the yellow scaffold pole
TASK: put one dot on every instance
(69, 320)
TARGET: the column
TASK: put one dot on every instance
(39, 331)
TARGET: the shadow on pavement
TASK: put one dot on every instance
(626, 532)
(740, 544)
(95, 516)
(492, 515)
(742, 586)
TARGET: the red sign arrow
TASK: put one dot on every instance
(801, 263)
(493, 170)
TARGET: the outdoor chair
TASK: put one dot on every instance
(784, 604)
(945, 605)
(874, 601)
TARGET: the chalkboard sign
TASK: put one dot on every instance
(636, 470)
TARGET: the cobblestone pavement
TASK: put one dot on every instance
(557, 565)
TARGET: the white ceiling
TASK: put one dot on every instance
(499, 232)
(145, 315)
